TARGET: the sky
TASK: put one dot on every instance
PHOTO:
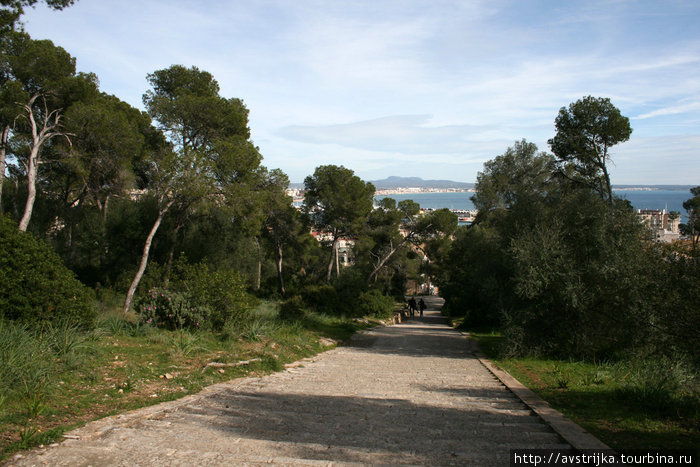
(426, 88)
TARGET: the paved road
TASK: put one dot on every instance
(405, 394)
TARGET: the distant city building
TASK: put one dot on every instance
(662, 223)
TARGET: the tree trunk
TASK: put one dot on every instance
(144, 257)
(103, 238)
(337, 261)
(279, 268)
(602, 158)
(169, 264)
(334, 253)
(49, 124)
(3, 147)
(257, 280)
(383, 261)
(104, 212)
(608, 186)
(32, 169)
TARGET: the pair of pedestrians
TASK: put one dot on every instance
(412, 306)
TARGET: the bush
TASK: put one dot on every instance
(221, 294)
(292, 308)
(374, 303)
(167, 309)
(35, 285)
(348, 288)
(198, 297)
(321, 298)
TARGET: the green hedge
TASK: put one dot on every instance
(374, 303)
(35, 285)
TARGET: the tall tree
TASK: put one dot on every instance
(338, 202)
(281, 220)
(10, 92)
(394, 227)
(110, 143)
(212, 155)
(585, 133)
(45, 76)
(521, 172)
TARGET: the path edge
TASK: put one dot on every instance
(570, 431)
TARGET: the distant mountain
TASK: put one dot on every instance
(417, 182)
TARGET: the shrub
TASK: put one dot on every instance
(35, 285)
(348, 287)
(292, 308)
(221, 294)
(374, 303)
(321, 298)
(167, 309)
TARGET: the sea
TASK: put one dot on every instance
(671, 200)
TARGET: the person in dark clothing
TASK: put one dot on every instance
(421, 306)
(412, 306)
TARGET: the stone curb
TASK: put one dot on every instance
(572, 433)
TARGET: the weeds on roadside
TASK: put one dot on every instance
(561, 377)
(258, 328)
(65, 339)
(185, 343)
(659, 384)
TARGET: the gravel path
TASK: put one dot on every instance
(406, 394)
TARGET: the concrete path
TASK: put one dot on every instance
(407, 394)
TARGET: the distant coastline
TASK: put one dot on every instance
(407, 185)
(409, 190)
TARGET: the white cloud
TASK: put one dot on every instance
(674, 110)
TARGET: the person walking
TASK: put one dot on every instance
(421, 306)
(412, 306)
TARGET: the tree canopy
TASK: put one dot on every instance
(586, 131)
(338, 202)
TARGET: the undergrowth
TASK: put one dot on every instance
(643, 403)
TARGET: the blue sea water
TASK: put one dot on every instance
(671, 200)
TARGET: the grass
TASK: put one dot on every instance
(70, 379)
(652, 404)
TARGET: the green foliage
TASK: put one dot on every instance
(294, 308)
(586, 130)
(692, 207)
(198, 297)
(374, 303)
(168, 309)
(221, 291)
(580, 277)
(26, 362)
(563, 269)
(114, 324)
(321, 298)
(255, 329)
(660, 384)
(337, 203)
(185, 343)
(66, 340)
(34, 284)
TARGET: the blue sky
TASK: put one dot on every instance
(426, 88)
